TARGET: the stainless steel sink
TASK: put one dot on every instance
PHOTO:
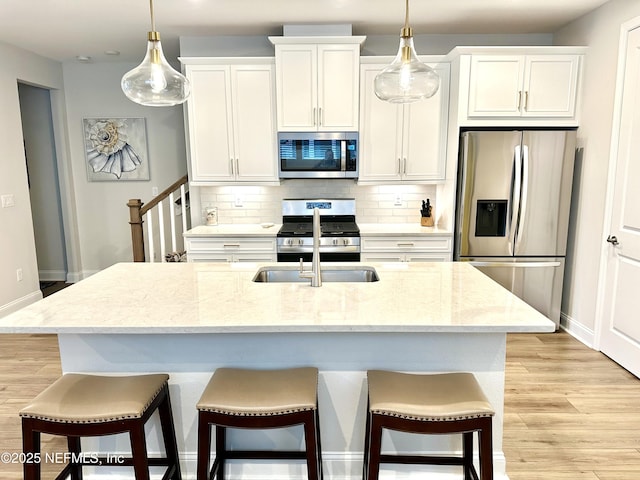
(331, 274)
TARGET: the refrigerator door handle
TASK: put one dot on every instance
(523, 199)
(514, 264)
(515, 197)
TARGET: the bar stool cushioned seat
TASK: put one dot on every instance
(446, 403)
(244, 398)
(79, 405)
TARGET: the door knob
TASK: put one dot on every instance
(613, 240)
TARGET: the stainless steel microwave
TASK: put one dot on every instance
(318, 155)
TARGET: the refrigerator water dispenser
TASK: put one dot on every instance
(491, 218)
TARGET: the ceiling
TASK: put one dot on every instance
(65, 29)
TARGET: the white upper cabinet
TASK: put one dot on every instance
(402, 143)
(523, 85)
(317, 83)
(231, 123)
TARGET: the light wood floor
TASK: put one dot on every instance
(570, 412)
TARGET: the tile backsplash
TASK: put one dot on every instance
(374, 203)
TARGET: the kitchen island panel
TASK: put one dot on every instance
(342, 359)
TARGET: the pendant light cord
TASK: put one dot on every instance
(153, 21)
(406, 14)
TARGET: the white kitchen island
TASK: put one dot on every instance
(187, 319)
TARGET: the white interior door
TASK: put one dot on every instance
(619, 331)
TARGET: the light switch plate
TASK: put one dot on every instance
(7, 201)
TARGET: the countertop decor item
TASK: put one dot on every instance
(426, 219)
(155, 83)
(406, 79)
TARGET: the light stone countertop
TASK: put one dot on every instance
(366, 229)
(235, 230)
(175, 298)
(399, 230)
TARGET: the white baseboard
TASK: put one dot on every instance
(19, 303)
(577, 330)
(74, 277)
(52, 275)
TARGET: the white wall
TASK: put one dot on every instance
(93, 90)
(600, 31)
(16, 229)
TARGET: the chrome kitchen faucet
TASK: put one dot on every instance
(315, 273)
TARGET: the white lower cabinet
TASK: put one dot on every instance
(231, 249)
(406, 249)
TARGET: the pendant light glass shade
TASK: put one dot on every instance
(154, 82)
(406, 79)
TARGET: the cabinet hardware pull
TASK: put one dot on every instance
(237, 245)
(519, 99)
(409, 244)
(404, 166)
(237, 167)
(320, 116)
(399, 166)
(231, 161)
(315, 122)
(526, 100)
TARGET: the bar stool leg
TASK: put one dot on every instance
(319, 445)
(74, 447)
(139, 451)
(30, 444)
(486, 457)
(169, 436)
(311, 444)
(204, 448)
(375, 446)
(221, 451)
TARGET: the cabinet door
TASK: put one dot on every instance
(550, 85)
(296, 85)
(496, 86)
(338, 86)
(209, 124)
(254, 123)
(425, 134)
(380, 132)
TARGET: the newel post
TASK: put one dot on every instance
(137, 235)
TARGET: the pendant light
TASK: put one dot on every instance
(154, 82)
(406, 79)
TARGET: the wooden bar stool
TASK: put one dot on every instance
(448, 403)
(78, 405)
(258, 399)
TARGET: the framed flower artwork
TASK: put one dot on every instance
(116, 149)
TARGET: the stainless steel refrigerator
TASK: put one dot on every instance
(512, 213)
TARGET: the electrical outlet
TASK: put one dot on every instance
(154, 191)
(238, 202)
(19, 275)
(398, 201)
(8, 201)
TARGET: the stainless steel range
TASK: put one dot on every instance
(340, 236)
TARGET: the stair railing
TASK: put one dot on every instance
(139, 212)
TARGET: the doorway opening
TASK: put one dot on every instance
(44, 184)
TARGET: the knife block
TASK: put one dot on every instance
(426, 221)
